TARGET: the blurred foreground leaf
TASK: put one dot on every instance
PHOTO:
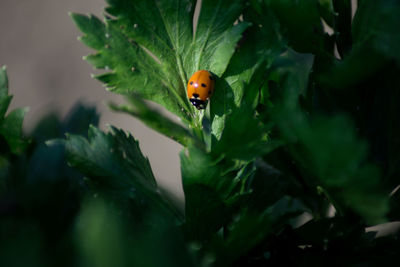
(10, 125)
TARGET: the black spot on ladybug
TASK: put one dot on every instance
(191, 82)
(203, 85)
(195, 95)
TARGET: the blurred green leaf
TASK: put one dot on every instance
(21, 244)
(11, 125)
(325, 8)
(41, 197)
(378, 23)
(106, 238)
(249, 229)
(375, 44)
(300, 23)
(330, 150)
(100, 236)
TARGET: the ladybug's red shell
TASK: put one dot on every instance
(200, 88)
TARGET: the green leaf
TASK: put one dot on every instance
(134, 69)
(378, 22)
(244, 76)
(214, 189)
(198, 167)
(325, 8)
(100, 235)
(218, 62)
(115, 165)
(153, 53)
(244, 137)
(232, 108)
(250, 229)
(300, 22)
(329, 150)
(5, 98)
(205, 212)
(114, 156)
(11, 130)
(215, 37)
(155, 120)
(105, 237)
(375, 45)
(271, 181)
(11, 125)
(79, 118)
(219, 182)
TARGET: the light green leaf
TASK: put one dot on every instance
(134, 69)
(153, 53)
(218, 62)
(238, 90)
(214, 28)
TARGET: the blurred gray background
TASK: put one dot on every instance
(38, 43)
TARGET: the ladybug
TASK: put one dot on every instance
(200, 88)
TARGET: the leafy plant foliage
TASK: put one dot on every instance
(10, 125)
(296, 155)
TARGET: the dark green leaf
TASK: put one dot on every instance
(239, 128)
(342, 26)
(205, 212)
(375, 44)
(104, 237)
(378, 23)
(198, 167)
(325, 8)
(110, 155)
(250, 229)
(301, 24)
(329, 150)
(115, 165)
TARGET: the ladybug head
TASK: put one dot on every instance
(198, 103)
